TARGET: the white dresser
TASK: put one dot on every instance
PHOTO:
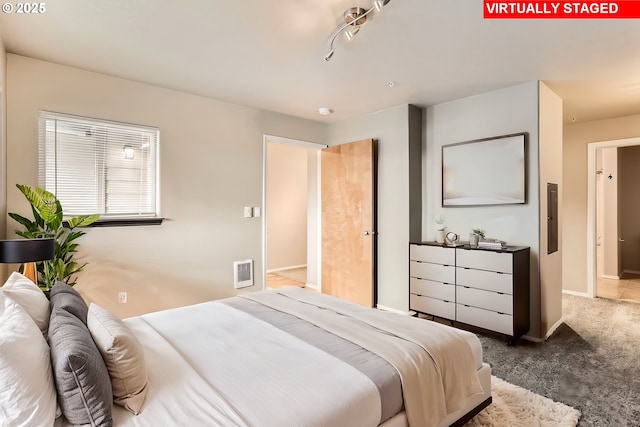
(472, 287)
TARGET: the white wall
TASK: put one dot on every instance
(211, 167)
(286, 210)
(576, 138)
(391, 129)
(550, 169)
(501, 112)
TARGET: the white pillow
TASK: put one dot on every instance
(124, 356)
(30, 297)
(27, 393)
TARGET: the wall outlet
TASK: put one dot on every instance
(122, 297)
(248, 212)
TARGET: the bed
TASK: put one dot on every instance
(293, 357)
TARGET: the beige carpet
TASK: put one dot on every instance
(514, 406)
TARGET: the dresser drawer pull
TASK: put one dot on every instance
(466, 287)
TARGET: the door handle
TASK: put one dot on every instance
(369, 233)
(620, 239)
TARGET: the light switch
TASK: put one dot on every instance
(256, 211)
(248, 211)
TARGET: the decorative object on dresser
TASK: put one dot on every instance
(474, 288)
(440, 228)
(476, 235)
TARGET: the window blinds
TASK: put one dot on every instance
(95, 166)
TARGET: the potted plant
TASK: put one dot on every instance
(440, 228)
(49, 222)
(476, 235)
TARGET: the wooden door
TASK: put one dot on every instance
(348, 221)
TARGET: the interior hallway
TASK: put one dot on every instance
(625, 289)
(290, 277)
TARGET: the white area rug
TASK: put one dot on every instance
(514, 406)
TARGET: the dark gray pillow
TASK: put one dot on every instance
(81, 377)
(65, 297)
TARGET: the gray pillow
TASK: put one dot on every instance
(65, 297)
(81, 377)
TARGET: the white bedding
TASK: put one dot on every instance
(224, 381)
(212, 365)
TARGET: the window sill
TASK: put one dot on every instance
(126, 222)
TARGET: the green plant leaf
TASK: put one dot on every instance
(48, 222)
(26, 222)
(82, 221)
(45, 203)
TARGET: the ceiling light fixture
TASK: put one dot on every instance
(354, 18)
(325, 111)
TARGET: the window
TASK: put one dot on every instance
(96, 166)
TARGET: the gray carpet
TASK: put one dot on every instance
(591, 362)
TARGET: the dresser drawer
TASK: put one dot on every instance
(486, 319)
(485, 260)
(488, 280)
(432, 306)
(435, 272)
(434, 254)
(493, 301)
(431, 289)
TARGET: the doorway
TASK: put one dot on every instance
(291, 213)
(613, 231)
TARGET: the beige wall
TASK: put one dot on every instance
(481, 116)
(211, 167)
(629, 203)
(611, 262)
(576, 138)
(286, 207)
(3, 145)
(550, 165)
(391, 129)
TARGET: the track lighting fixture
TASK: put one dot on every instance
(354, 18)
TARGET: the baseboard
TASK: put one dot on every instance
(606, 276)
(553, 328)
(576, 293)
(310, 286)
(392, 310)
(291, 267)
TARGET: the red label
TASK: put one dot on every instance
(624, 9)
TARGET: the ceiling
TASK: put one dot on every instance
(269, 54)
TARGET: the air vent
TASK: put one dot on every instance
(243, 273)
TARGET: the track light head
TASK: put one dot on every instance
(328, 56)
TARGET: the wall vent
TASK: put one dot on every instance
(243, 273)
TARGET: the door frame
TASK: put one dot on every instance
(591, 205)
(266, 138)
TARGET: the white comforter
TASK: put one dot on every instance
(435, 362)
(210, 365)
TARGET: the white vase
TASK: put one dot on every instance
(440, 236)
